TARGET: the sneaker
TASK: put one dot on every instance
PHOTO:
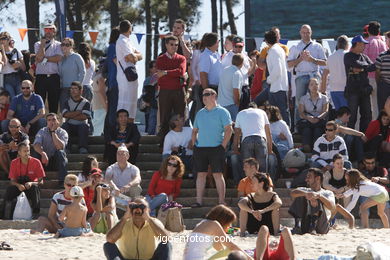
(244, 234)
(83, 150)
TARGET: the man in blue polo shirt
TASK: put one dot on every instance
(28, 107)
(210, 136)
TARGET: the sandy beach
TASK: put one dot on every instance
(342, 241)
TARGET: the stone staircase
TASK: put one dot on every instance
(149, 160)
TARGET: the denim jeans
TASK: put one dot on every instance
(70, 232)
(233, 111)
(112, 103)
(255, 146)
(197, 103)
(383, 94)
(152, 121)
(156, 202)
(12, 84)
(338, 99)
(57, 162)
(355, 147)
(64, 96)
(282, 146)
(301, 84)
(81, 131)
(279, 99)
(162, 252)
(363, 103)
(237, 167)
(263, 96)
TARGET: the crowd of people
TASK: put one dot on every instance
(244, 109)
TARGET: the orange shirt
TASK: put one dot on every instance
(246, 187)
(264, 52)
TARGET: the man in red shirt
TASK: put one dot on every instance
(171, 68)
(26, 174)
(4, 106)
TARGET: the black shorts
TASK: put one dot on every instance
(205, 156)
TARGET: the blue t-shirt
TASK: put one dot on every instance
(111, 54)
(211, 126)
(26, 110)
(210, 62)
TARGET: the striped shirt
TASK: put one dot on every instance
(324, 150)
(60, 200)
(382, 63)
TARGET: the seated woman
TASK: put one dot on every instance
(104, 209)
(26, 174)
(216, 224)
(178, 141)
(334, 180)
(284, 250)
(89, 163)
(378, 134)
(124, 133)
(377, 196)
(281, 135)
(165, 184)
(313, 110)
(263, 206)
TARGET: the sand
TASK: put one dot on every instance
(43, 246)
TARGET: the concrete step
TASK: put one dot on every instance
(147, 139)
(99, 148)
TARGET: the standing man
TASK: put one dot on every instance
(126, 56)
(28, 107)
(210, 62)
(305, 58)
(210, 136)
(48, 55)
(376, 44)
(382, 74)
(171, 68)
(277, 78)
(49, 146)
(178, 29)
(358, 89)
(336, 71)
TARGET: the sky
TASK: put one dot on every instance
(46, 10)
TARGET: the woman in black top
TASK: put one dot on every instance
(263, 206)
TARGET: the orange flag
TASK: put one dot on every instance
(22, 32)
(93, 36)
(162, 36)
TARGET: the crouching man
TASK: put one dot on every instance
(134, 237)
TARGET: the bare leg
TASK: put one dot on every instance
(346, 215)
(221, 187)
(364, 211)
(381, 212)
(110, 220)
(44, 223)
(200, 184)
(262, 242)
(387, 211)
(276, 221)
(94, 220)
(288, 243)
(243, 220)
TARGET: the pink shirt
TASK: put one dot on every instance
(375, 46)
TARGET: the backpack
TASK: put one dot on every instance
(294, 158)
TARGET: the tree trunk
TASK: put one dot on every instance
(221, 24)
(32, 17)
(148, 20)
(156, 37)
(114, 13)
(75, 20)
(214, 16)
(232, 24)
(173, 12)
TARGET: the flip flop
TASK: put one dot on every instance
(196, 205)
(5, 246)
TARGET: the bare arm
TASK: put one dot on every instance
(157, 227)
(293, 63)
(243, 205)
(325, 109)
(297, 193)
(41, 114)
(116, 232)
(186, 51)
(52, 215)
(349, 131)
(237, 139)
(275, 205)
(324, 80)
(227, 135)
(63, 214)
(236, 96)
(194, 135)
(84, 220)
(58, 143)
(269, 139)
(326, 184)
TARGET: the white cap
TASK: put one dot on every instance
(123, 147)
(76, 191)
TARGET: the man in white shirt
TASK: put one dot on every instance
(126, 56)
(277, 78)
(305, 59)
(335, 69)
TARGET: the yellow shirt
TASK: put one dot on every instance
(264, 52)
(137, 243)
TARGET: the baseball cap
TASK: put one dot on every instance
(359, 38)
(123, 147)
(76, 191)
(95, 172)
(238, 41)
(49, 26)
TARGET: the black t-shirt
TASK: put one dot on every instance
(357, 80)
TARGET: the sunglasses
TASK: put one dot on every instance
(207, 94)
(329, 130)
(14, 126)
(239, 47)
(104, 186)
(172, 164)
(25, 87)
(70, 185)
(134, 206)
(66, 44)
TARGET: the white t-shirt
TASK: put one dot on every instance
(89, 73)
(252, 121)
(227, 61)
(326, 193)
(279, 127)
(366, 189)
(231, 78)
(7, 68)
(306, 67)
(277, 68)
(337, 76)
(175, 139)
(119, 177)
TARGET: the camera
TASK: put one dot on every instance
(181, 151)
(134, 206)
(11, 61)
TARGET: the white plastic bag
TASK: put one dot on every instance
(22, 209)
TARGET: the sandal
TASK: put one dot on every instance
(196, 205)
(5, 246)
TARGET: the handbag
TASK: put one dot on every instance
(130, 72)
(22, 209)
(171, 217)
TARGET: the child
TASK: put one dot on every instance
(74, 215)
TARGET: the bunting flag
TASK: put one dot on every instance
(162, 36)
(139, 37)
(61, 17)
(259, 41)
(22, 32)
(283, 41)
(93, 36)
(69, 34)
